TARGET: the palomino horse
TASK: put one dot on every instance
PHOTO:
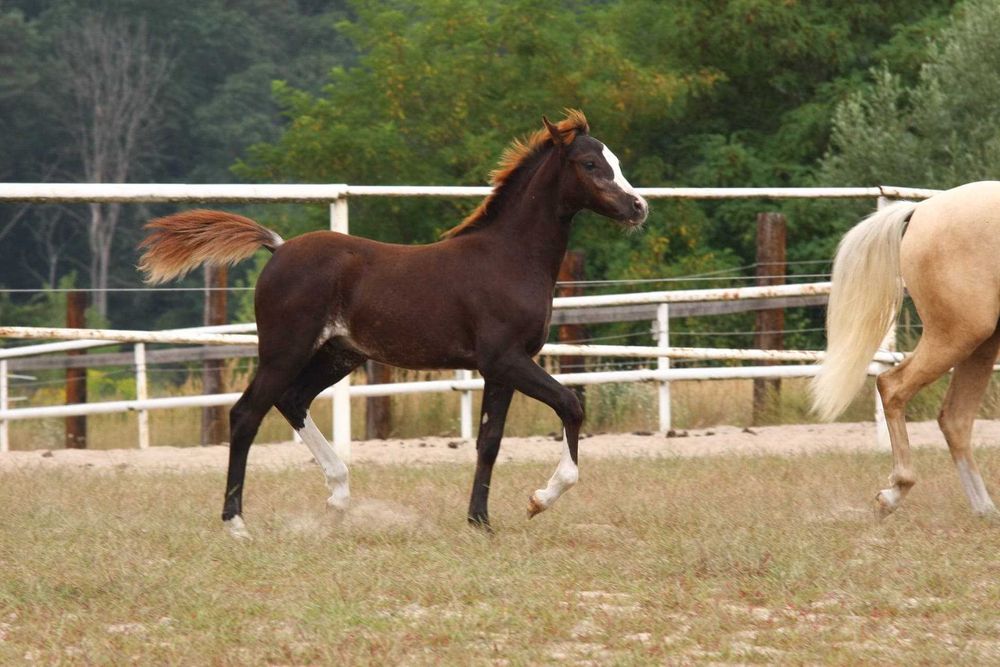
(945, 249)
(478, 299)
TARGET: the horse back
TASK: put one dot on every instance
(950, 254)
(414, 306)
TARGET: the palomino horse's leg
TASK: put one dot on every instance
(934, 355)
(496, 401)
(530, 379)
(328, 366)
(958, 412)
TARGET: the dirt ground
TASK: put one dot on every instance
(783, 440)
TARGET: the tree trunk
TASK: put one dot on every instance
(114, 74)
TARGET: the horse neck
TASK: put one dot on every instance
(537, 222)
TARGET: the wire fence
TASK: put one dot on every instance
(713, 276)
(337, 195)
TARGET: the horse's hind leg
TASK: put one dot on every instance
(936, 352)
(244, 420)
(328, 366)
(958, 412)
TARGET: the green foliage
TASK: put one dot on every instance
(938, 131)
(218, 101)
(694, 92)
(440, 88)
(45, 309)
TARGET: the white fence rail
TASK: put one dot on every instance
(321, 193)
(662, 352)
(336, 195)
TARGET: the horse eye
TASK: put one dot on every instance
(589, 165)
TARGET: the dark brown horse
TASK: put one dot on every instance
(478, 299)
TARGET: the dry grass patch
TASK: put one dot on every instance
(724, 560)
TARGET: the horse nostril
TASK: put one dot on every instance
(638, 204)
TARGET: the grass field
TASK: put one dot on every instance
(724, 560)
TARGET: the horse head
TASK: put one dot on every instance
(592, 177)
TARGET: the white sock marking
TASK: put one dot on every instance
(565, 476)
(333, 468)
(237, 528)
(891, 497)
(975, 490)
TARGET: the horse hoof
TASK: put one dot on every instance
(988, 514)
(481, 523)
(339, 503)
(237, 528)
(886, 502)
(534, 507)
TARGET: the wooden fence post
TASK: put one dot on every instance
(770, 324)
(76, 378)
(214, 420)
(573, 269)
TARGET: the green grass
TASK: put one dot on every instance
(720, 560)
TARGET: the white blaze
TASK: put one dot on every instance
(616, 168)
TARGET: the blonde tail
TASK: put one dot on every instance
(867, 294)
(180, 242)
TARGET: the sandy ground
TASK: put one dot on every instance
(783, 440)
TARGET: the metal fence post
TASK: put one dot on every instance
(4, 400)
(466, 406)
(142, 393)
(663, 341)
(341, 390)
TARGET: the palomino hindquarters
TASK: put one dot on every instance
(479, 299)
(946, 250)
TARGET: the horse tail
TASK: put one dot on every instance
(180, 242)
(866, 295)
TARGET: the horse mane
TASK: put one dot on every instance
(518, 154)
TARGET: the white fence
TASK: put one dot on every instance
(337, 196)
(464, 382)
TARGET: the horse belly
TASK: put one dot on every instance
(420, 343)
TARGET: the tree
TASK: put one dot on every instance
(115, 73)
(940, 131)
(440, 87)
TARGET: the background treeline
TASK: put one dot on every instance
(687, 92)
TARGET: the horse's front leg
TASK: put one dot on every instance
(530, 379)
(496, 401)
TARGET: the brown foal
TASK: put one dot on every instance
(478, 299)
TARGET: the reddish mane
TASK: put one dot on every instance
(514, 156)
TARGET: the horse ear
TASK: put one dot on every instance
(557, 138)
